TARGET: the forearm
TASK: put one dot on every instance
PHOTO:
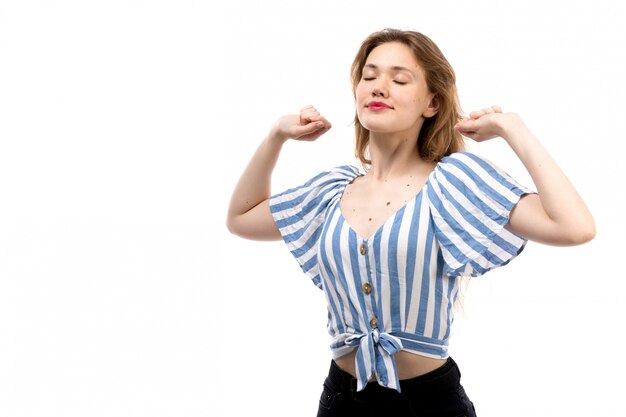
(254, 185)
(561, 202)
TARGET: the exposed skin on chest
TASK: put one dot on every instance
(368, 204)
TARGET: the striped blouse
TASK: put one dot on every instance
(396, 290)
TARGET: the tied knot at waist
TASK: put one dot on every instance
(374, 357)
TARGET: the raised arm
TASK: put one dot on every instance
(557, 215)
(249, 214)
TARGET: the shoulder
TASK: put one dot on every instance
(471, 174)
(465, 160)
(466, 164)
(347, 171)
(338, 174)
(326, 182)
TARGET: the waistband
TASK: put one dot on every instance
(442, 379)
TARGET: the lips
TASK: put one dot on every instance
(378, 105)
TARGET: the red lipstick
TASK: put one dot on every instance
(378, 105)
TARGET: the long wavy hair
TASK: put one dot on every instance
(437, 137)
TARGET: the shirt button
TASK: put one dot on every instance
(367, 288)
(363, 249)
(374, 323)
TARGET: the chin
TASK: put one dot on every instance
(377, 126)
(382, 127)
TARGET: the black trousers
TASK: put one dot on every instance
(436, 394)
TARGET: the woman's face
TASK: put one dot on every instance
(392, 95)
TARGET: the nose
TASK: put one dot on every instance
(376, 92)
(380, 89)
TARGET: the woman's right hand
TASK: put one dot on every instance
(307, 126)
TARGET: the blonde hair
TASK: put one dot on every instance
(437, 138)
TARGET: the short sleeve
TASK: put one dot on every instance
(471, 200)
(299, 214)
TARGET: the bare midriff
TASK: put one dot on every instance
(409, 364)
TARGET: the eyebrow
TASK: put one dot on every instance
(394, 68)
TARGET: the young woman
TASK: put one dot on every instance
(388, 244)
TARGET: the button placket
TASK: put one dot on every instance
(367, 287)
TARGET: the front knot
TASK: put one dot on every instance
(374, 357)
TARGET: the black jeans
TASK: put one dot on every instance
(436, 394)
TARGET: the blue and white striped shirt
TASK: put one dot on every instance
(396, 290)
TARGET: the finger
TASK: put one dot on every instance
(326, 123)
(308, 110)
(305, 119)
(472, 134)
(308, 115)
(476, 114)
(308, 129)
(314, 117)
(497, 108)
(318, 118)
(465, 131)
(466, 124)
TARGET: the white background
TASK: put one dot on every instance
(124, 126)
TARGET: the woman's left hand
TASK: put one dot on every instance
(486, 124)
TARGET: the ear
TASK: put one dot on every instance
(433, 107)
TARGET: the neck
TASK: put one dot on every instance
(392, 155)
